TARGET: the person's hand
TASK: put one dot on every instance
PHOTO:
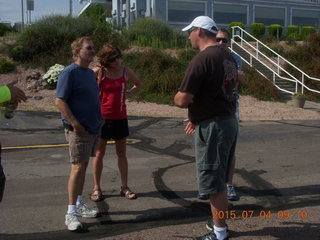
(190, 127)
(17, 95)
(78, 128)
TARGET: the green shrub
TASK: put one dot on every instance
(4, 29)
(104, 33)
(17, 53)
(257, 29)
(233, 24)
(292, 32)
(154, 33)
(96, 13)
(5, 65)
(307, 58)
(48, 35)
(306, 32)
(50, 39)
(185, 55)
(160, 74)
(275, 30)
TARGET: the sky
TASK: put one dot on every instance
(10, 10)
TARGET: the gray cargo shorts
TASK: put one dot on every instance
(215, 147)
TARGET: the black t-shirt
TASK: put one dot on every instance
(211, 78)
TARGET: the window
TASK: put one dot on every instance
(269, 15)
(185, 11)
(227, 13)
(306, 18)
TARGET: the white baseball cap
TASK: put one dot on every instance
(203, 22)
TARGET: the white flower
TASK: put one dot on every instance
(51, 76)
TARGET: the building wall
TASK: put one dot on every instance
(178, 13)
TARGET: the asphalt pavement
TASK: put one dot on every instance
(277, 178)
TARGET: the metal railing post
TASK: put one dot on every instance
(274, 78)
(302, 85)
(241, 34)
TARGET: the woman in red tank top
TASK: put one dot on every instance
(112, 79)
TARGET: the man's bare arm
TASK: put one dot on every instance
(183, 99)
(66, 112)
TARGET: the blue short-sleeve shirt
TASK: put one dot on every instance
(78, 87)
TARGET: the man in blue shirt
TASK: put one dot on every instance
(223, 39)
(77, 98)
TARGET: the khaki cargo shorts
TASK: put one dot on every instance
(82, 146)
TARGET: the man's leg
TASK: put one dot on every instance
(75, 188)
(214, 142)
(231, 193)
(76, 181)
(219, 203)
(81, 148)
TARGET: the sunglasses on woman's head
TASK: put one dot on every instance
(224, 40)
(114, 58)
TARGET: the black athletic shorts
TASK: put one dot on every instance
(115, 129)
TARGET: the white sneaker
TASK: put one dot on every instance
(72, 222)
(84, 211)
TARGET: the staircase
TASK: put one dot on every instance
(271, 67)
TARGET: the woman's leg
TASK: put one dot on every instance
(122, 161)
(123, 168)
(97, 164)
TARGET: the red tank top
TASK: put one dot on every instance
(113, 97)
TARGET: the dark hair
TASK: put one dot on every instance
(225, 31)
(208, 34)
(107, 52)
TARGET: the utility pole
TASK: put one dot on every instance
(22, 19)
(70, 8)
(128, 13)
(30, 7)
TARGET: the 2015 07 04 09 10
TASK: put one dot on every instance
(262, 214)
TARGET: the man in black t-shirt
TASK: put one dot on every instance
(207, 92)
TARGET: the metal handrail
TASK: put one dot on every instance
(250, 63)
(277, 64)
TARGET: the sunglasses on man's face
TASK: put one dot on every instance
(191, 30)
(114, 58)
(90, 48)
(224, 40)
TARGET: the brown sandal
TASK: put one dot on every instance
(96, 196)
(127, 193)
